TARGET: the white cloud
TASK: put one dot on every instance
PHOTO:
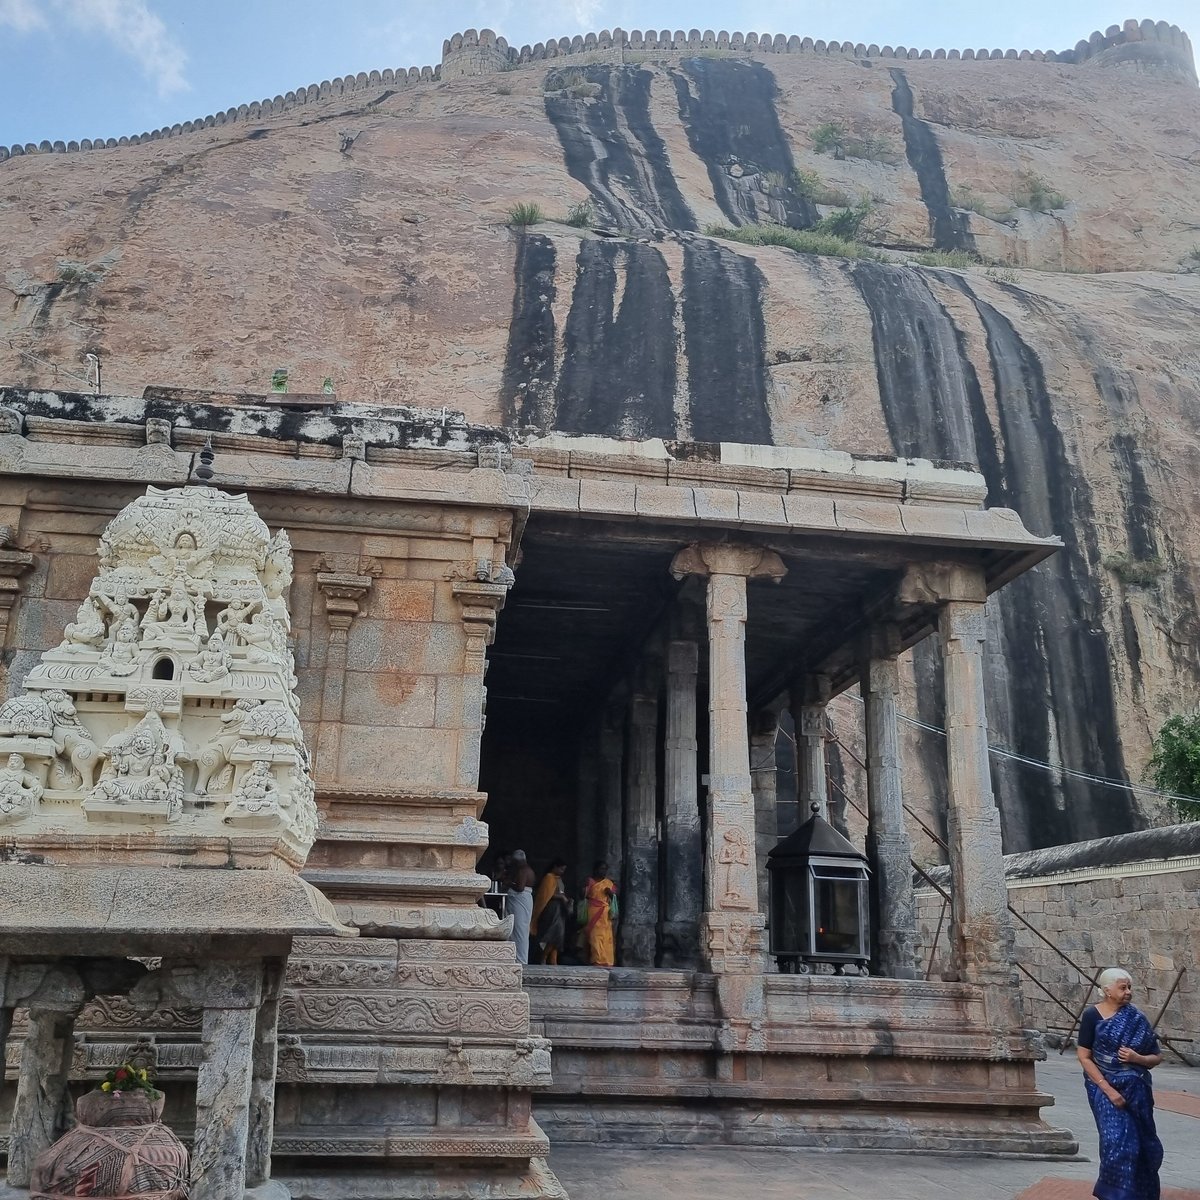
(21, 15)
(128, 25)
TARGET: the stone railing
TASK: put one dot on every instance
(327, 89)
(482, 52)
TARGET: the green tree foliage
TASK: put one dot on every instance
(1175, 764)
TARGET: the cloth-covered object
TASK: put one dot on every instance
(120, 1150)
(1130, 1152)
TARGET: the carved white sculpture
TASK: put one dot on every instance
(173, 682)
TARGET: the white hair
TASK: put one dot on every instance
(1110, 976)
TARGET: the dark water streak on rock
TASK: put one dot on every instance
(611, 146)
(1050, 690)
(725, 343)
(527, 384)
(731, 122)
(949, 228)
(1061, 596)
(618, 371)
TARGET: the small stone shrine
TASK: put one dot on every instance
(162, 733)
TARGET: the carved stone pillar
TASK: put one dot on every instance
(808, 713)
(344, 592)
(983, 933)
(42, 1105)
(684, 882)
(224, 1081)
(763, 731)
(732, 926)
(262, 1084)
(639, 903)
(612, 790)
(982, 927)
(894, 912)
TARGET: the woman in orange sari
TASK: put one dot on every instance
(600, 891)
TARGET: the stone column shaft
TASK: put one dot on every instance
(225, 1080)
(809, 717)
(587, 812)
(983, 932)
(639, 906)
(763, 781)
(42, 1104)
(887, 839)
(681, 810)
(612, 791)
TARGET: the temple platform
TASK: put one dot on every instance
(845, 1062)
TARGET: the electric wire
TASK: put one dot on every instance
(1037, 763)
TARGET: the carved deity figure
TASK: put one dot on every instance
(175, 613)
(262, 638)
(120, 610)
(88, 628)
(121, 656)
(213, 662)
(140, 768)
(257, 794)
(235, 613)
(19, 790)
(734, 853)
(185, 557)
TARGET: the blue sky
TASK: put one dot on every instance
(103, 68)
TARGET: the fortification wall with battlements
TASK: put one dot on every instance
(1157, 47)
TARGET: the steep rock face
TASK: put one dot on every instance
(364, 239)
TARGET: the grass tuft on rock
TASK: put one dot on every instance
(526, 213)
(802, 241)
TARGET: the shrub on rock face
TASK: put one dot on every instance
(1035, 194)
(1175, 764)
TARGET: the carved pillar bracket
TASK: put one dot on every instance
(732, 925)
(343, 597)
(888, 846)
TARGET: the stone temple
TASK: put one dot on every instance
(286, 671)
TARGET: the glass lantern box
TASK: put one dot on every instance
(820, 905)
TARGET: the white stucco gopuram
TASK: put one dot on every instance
(169, 705)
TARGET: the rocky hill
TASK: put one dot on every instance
(1017, 290)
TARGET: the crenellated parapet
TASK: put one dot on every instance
(1145, 45)
(364, 81)
(1148, 44)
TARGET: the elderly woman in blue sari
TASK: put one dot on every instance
(1118, 1050)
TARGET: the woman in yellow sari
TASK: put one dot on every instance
(600, 892)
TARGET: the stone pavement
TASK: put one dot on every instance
(601, 1172)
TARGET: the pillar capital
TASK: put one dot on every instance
(728, 558)
(940, 583)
